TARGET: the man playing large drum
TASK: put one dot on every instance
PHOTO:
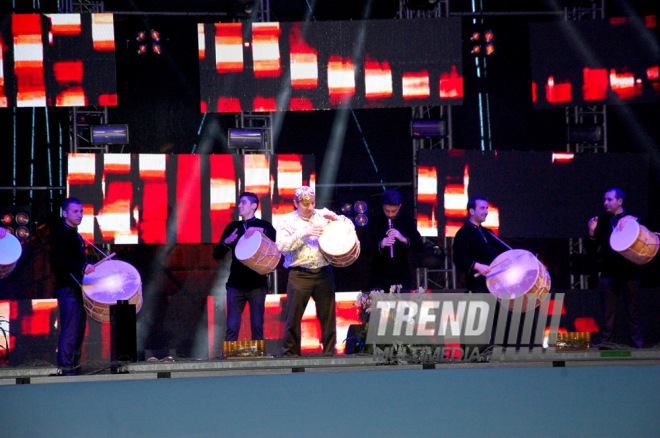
(69, 266)
(244, 284)
(475, 247)
(310, 274)
(618, 275)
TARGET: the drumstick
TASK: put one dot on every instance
(105, 259)
(491, 267)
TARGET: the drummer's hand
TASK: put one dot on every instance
(251, 231)
(623, 220)
(330, 215)
(481, 269)
(593, 222)
(314, 231)
(233, 236)
(388, 241)
(3, 232)
(89, 269)
(393, 232)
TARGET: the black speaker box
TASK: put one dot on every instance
(123, 332)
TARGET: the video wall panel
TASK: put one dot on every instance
(158, 198)
(530, 194)
(57, 60)
(591, 62)
(327, 65)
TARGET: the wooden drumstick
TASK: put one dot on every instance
(491, 267)
(105, 259)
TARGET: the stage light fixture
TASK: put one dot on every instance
(22, 218)
(7, 219)
(10, 230)
(22, 233)
(476, 49)
(490, 49)
(346, 208)
(156, 48)
(428, 128)
(141, 36)
(361, 220)
(142, 49)
(360, 207)
(81, 119)
(476, 36)
(585, 134)
(155, 35)
(489, 36)
(109, 134)
(244, 7)
(246, 139)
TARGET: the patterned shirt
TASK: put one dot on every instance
(299, 249)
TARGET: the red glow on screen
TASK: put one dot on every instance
(108, 99)
(562, 157)
(28, 60)
(557, 92)
(377, 79)
(265, 50)
(625, 85)
(551, 307)
(201, 42)
(416, 85)
(652, 75)
(264, 104)
(300, 104)
(103, 32)
(229, 48)
(595, 83)
(229, 105)
(65, 24)
(651, 21)
(534, 96)
(341, 78)
(303, 61)
(451, 84)
(586, 325)
(188, 193)
(223, 193)
(202, 107)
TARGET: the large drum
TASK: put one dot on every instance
(111, 281)
(339, 243)
(518, 272)
(258, 253)
(635, 242)
(10, 252)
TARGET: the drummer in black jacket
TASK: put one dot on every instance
(475, 247)
(69, 265)
(244, 284)
(618, 275)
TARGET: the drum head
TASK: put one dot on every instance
(338, 238)
(10, 249)
(112, 281)
(246, 247)
(623, 239)
(514, 271)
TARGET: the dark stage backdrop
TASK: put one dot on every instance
(531, 194)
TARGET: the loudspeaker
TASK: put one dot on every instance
(123, 332)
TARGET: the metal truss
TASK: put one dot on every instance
(82, 6)
(591, 117)
(445, 276)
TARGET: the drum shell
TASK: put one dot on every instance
(535, 281)
(642, 249)
(266, 257)
(11, 250)
(336, 230)
(92, 284)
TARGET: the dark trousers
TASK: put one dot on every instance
(611, 289)
(236, 299)
(73, 321)
(303, 285)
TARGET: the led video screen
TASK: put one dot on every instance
(327, 65)
(57, 60)
(530, 194)
(158, 198)
(591, 62)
